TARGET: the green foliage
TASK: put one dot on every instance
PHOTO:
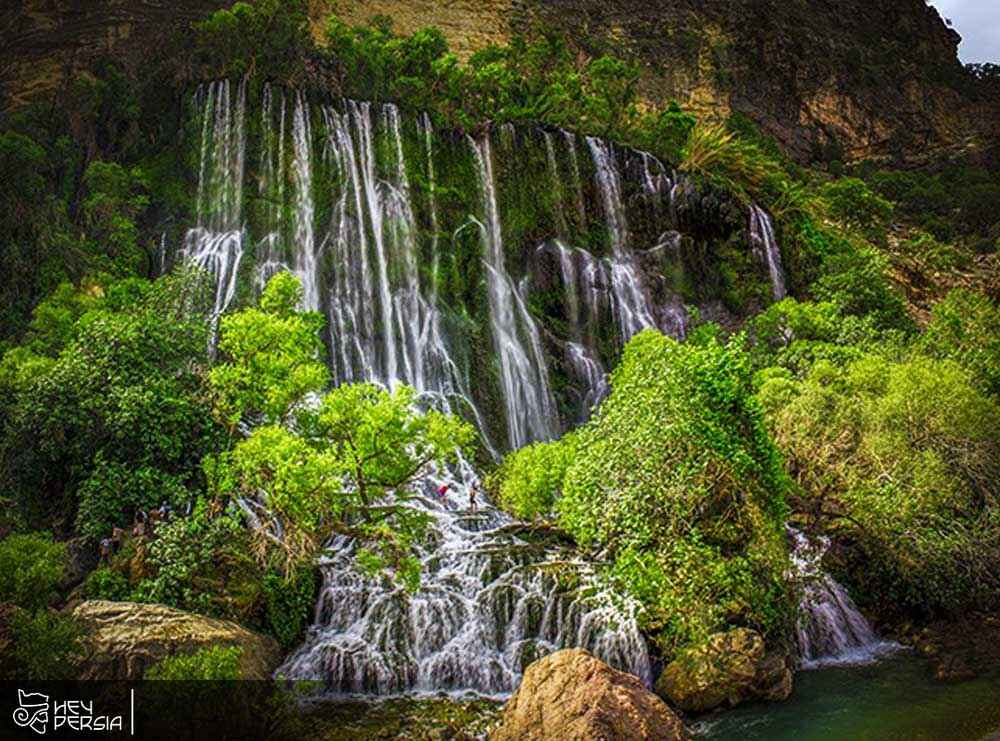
(46, 645)
(908, 451)
(530, 481)
(203, 563)
(266, 37)
(271, 358)
(319, 468)
(212, 664)
(855, 278)
(289, 605)
(114, 202)
(118, 419)
(852, 202)
(108, 584)
(677, 480)
(31, 567)
(963, 328)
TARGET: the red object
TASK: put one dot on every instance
(442, 490)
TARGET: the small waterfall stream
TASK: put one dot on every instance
(831, 630)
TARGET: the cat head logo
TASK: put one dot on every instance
(34, 711)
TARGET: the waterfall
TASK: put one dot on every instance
(530, 409)
(767, 250)
(632, 307)
(489, 604)
(346, 195)
(830, 628)
(215, 245)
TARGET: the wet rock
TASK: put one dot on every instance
(81, 559)
(123, 639)
(572, 696)
(729, 668)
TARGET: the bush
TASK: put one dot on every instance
(106, 583)
(530, 480)
(855, 278)
(204, 564)
(216, 663)
(46, 645)
(677, 478)
(963, 328)
(289, 604)
(908, 451)
(31, 567)
(852, 202)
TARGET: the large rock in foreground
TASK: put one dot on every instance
(124, 638)
(571, 696)
(729, 668)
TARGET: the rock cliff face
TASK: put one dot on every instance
(829, 79)
(836, 79)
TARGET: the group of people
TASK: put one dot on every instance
(473, 493)
(143, 526)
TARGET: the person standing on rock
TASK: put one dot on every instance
(472, 498)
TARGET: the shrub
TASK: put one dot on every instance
(852, 202)
(530, 480)
(106, 583)
(963, 328)
(31, 567)
(289, 605)
(46, 645)
(855, 278)
(216, 663)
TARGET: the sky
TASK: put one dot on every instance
(978, 21)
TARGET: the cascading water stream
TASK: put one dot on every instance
(768, 251)
(215, 245)
(830, 630)
(530, 409)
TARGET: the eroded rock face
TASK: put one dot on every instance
(571, 696)
(729, 668)
(123, 639)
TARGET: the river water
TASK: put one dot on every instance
(894, 698)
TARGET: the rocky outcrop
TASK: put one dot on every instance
(571, 696)
(729, 668)
(122, 639)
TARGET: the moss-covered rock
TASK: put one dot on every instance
(727, 669)
(123, 639)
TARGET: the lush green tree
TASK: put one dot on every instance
(271, 358)
(530, 481)
(120, 417)
(678, 482)
(903, 454)
(963, 328)
(266, 37)
(322, 466)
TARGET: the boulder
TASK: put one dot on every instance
(571, 696)
(727, 669)
(122, 639)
